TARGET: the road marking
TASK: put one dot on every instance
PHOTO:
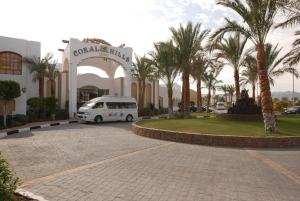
(275, 166)
(91, 165)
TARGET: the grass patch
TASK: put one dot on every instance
(287, 126)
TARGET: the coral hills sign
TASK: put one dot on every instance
(104, 51)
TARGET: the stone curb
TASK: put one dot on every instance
(218, 140)
(29, 195)
(20, 130)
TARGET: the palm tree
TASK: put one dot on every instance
(211, 84)
(231, 49)
(274, 67)
(231, 90)
(200, 65)
(188, 42)
(224, 89)
(274, 63)
(142, 70)
(292, 10)
(165, 61)
(52, 73)
(258, 19)
(249, 74)
(210, 80)
(38, 66)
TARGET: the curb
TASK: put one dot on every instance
(20, 130)
(29, 195)
(218, 140)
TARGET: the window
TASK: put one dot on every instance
(131, 105)
(120, 105)
(111, 105)
(10, 63)
(98, 105)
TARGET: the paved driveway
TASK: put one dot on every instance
(108, 162)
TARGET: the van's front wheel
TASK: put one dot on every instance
(98, 119)
(129, 118)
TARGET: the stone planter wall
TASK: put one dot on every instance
(218, 140)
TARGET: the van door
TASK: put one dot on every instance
(112, 112)
(98, 109)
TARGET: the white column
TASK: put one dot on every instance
(127, 84)
(72, 90)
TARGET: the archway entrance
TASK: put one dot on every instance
(79, 53)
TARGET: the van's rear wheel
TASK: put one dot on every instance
(129, 118)
(98, 119)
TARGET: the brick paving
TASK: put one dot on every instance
(109, 162)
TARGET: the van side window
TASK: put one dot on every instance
(131, 105)
(111, 105)
(98, 105)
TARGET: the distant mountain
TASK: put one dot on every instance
(284, 94)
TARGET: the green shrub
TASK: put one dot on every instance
(8, 182)
(280, 105)
(32, 116)
(61, 114)
(22, 118)
(9, 89)
(14, 120)
(34, 103)
(50, 105)
(144, 112)
(41, 108)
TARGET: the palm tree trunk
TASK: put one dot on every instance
(253, 91)
(208, 100)
(140, 94)
(266, 97)
(143, 94)
(41, 87)
(170, 100)
(199, 95)
(237, 83)
(52, 88)
(186, 98)
(182, 96)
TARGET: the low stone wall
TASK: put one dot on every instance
(218, 140)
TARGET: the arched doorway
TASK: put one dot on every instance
(87, 93)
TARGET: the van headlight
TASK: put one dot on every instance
(87, 113)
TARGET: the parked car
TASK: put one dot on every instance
(210, 109)
(292, 110)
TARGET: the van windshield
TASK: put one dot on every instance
(89, 104)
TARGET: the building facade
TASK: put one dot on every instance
(12, 52)
(89, 68)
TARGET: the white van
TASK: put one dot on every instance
(109, 108)
(220, 106)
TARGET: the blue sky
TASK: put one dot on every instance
(137, 23)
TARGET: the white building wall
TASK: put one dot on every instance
(25, 49)
(94, 80)
(163, 92)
